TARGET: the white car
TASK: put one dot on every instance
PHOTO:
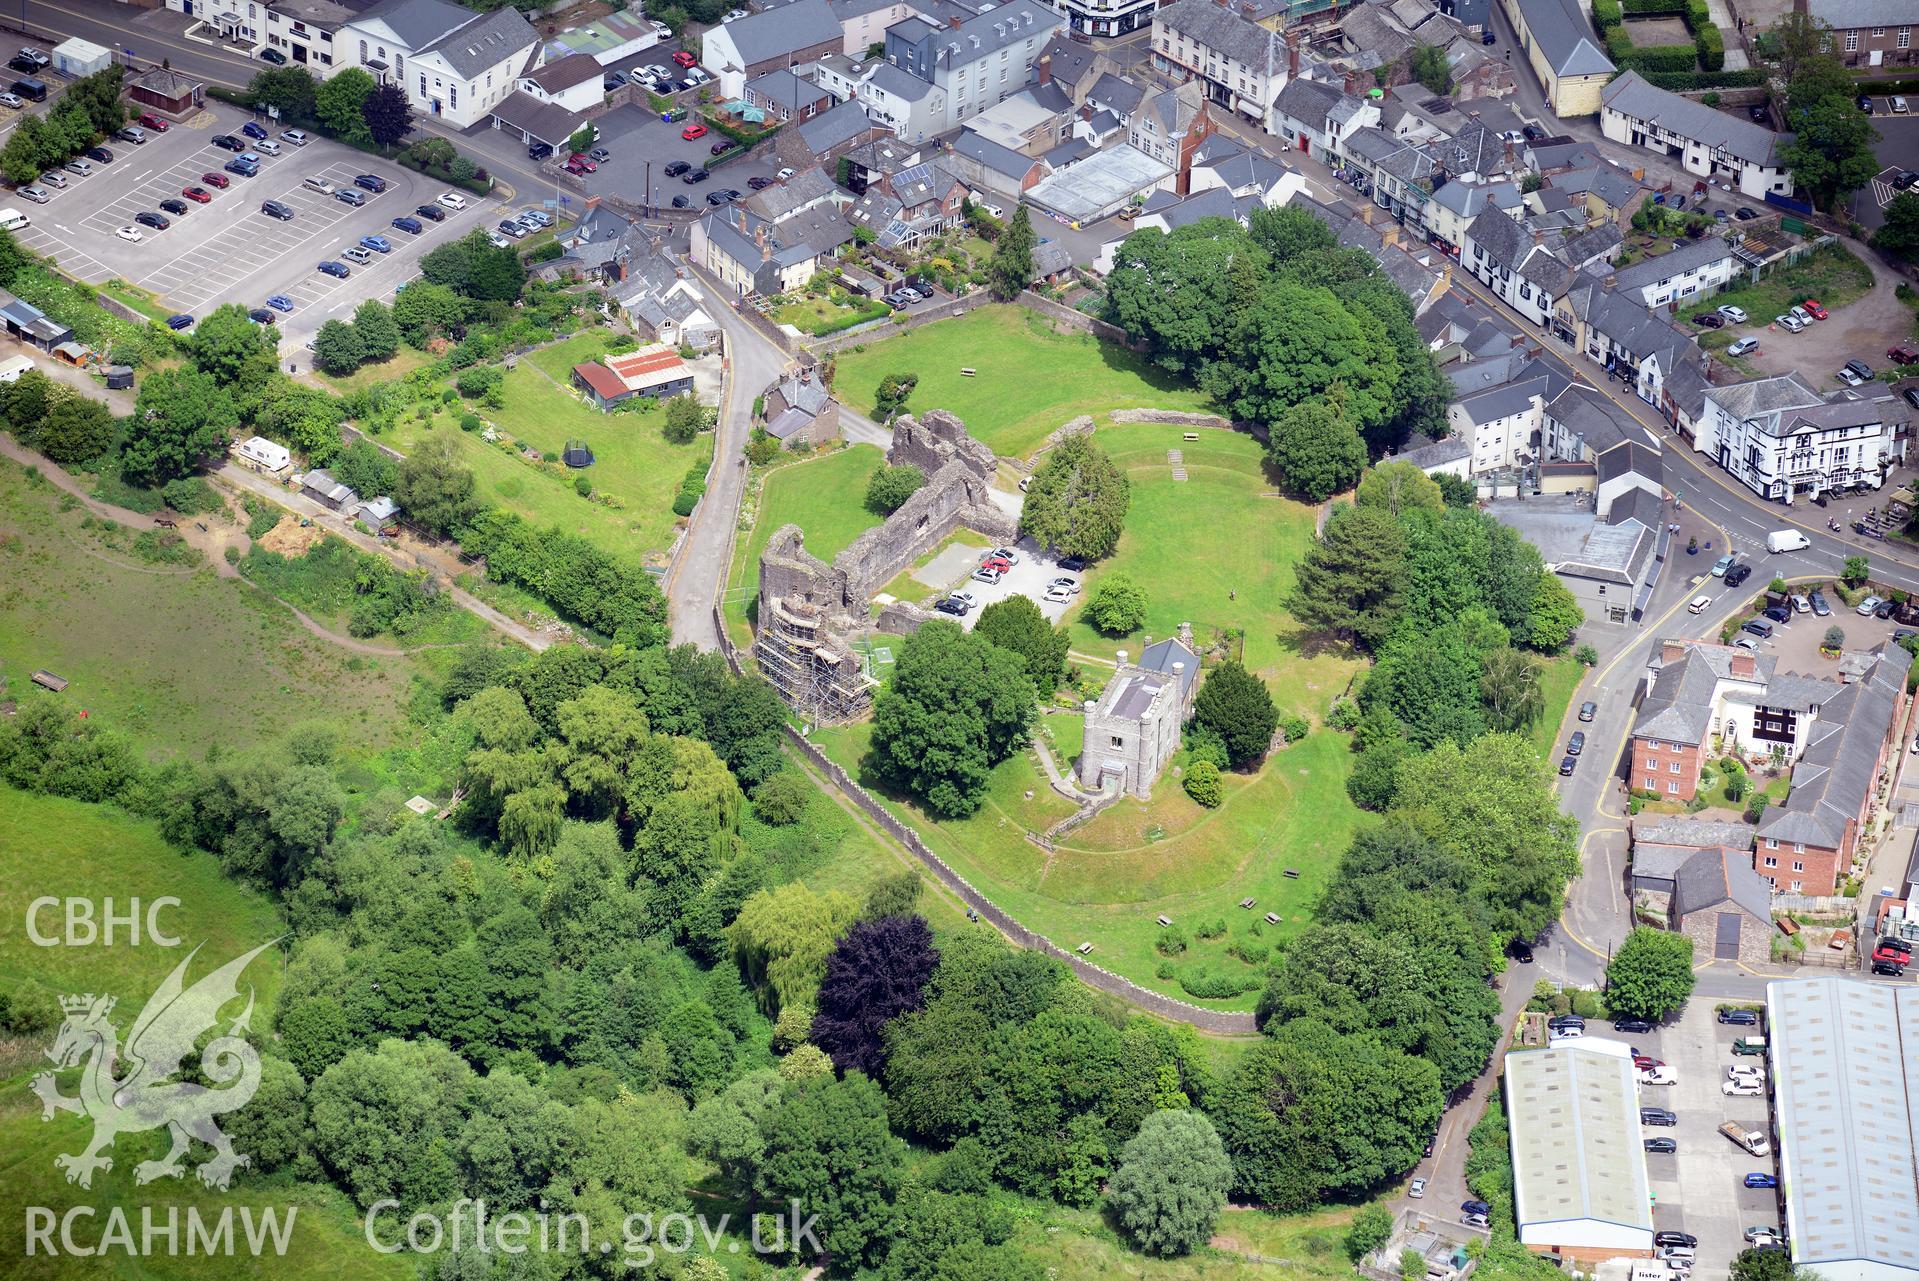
(1661, 1075)
(1006, 554)
(1068, 585)
(1741, 1089)
(966, 594)
(1849, 378)
(1745, 1072)
(498, 241)
(1737, 315)
(1416, 1189)
(733, 15)
(661, 30)
(453, 200)
(782, 175)
(1054, 596)
(1898, 106)
(987, 574)
(130, 233)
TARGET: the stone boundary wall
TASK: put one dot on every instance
(881, 330)
(1223, 1022)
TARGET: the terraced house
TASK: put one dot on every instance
(1241, 65)
(1782, 439)
(453, 63)
(1704, 701)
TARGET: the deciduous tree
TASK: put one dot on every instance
(891, 485)
(1650, 975)
(339, 104)
(1316, 450)
(1397, 488)
(957, 706)
(877, 972)
(828, 1150)
(1117, 606)
(181, 416)
(388, 115)
(77, 428)
(1016, 624)
(1510, 687)
(373, 326)
(434, 489)
(1172, 1183)
(337, 348)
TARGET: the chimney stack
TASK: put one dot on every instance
(1122, 660)
(1043, 69)
(953, 22)
(1292, 53)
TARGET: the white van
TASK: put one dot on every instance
(1787, 540)
(1699, 604)
(320, 185)
(13, 220)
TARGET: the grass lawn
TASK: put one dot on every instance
(1078, 1245)
(1832, 275)
(1108, 880)
(1558, 680)
(818, 314)
(1217, 551)
(1031, 380)
(824, 496)
(558, 359)
(133, 639)
(399, 365)
(137, 298)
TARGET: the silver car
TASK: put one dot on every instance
(38, 195)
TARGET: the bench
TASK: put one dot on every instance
(967, 371)
(1165, 920)
(1192, 435)
(1084, 949)
(1272, 918)
(1246, 902)
(1292, 874)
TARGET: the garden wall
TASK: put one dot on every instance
(1224, 1022)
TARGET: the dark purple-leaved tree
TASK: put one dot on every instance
(878, 971)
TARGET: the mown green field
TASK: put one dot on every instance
(1028, 379)
(824, 496)
(177, 658)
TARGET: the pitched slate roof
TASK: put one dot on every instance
(1633, 95)
(776, 32)
(1501, 237)
(1690, 256)
(1208, 23)
(1833, 778)
(418, 23)
(1307, 101)
(1679, 708)
(1562, 32)
(1725, 874)
(1591, 415)
(1161, 655)
(834, 126)
(484, 43)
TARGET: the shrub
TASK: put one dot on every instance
(891, 486)
(1295, 728)
(583, 487)
(1606, 14)
(1586, 656)
(1343, 714)
(1209, 985)
(1213, 929)
(469, 422)
(1171, 941)
(1202, 784)
(1585, 1003)
(1118, 606)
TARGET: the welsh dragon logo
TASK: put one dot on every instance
(145, 1097)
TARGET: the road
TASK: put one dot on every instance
(698, 574)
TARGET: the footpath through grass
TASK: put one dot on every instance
(1028, 380)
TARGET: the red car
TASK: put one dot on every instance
(693, 131)
(219, 180)
(154, 123)
(198, 195)
(1903, 354)
(684, 59)
(580, 164)
(1815, 309)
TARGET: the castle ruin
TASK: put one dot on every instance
(811, 612)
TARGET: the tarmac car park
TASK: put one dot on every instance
(225, 249)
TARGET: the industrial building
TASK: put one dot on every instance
(1580, 1191)
(1845, 1079)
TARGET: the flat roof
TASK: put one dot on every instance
(1099, 184)
(1845, 1074)
(1579, 1166)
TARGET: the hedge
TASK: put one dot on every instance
(1665, 57)
(692, 487)
(1652, 8)
(1682, 81)
(1606, 15)
(1619, 45)
(1711, 48)
(478, 186)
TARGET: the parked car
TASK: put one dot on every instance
(1739, 1018)
(1789, 322)
(1904, 353)
(252, 129)
(338, 270)
(273, 56)
(54, 178)
(280, 302)
(432, 213)
(511, 228)
(1898, 105)
(260, 316)
(682, 202)
(693, 176)
(1758, 1180)
(759, 182)
(987, 574)
(577, 165)
(1567, 764)
(38, 195)
(378, 244)
(370, 182)
(294, 137)
(1588, 710)
(38, 57)
(1416, 1189)
(538, 150)
(1658, 1116)
(1817, 601)
(1861, 370)
(681, 58)
(1073, 564)
(950, 605)
(1662, 1145)
(242, 168)
(227, 142)
(1778, 613)
(1520, 950)
(452, 200)
(693, 131)
(353, 253)
(1634, 1026)
(411, 226)
(1737, 315)
(218, 180)
(678, 167)
(720, 148)
(181, 321)
(1866, 606)
(147, 218)
(1743, 347)
(1709, 320)
(1814, 308)
(133, 134)
(176, 207)
(1744, 214)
